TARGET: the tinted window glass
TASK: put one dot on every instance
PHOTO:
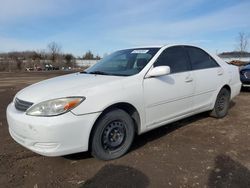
(200, 59)
(175, 58)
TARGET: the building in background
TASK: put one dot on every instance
(85, 63)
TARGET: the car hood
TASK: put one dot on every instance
(76, 84)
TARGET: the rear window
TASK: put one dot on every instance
(200, 59)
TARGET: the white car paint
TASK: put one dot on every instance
(158, 101)
(161, 104)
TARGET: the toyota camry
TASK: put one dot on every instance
(129, 92)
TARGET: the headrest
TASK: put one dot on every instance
(141, 63)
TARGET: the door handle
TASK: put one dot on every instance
(220, 71)
(188, 79)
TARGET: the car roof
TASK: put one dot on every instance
(161, 46)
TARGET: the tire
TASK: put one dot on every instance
(221, 104)
(112, 135)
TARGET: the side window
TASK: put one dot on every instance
(175, 58)
(200, 59)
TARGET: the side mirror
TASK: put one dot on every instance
(158, 71)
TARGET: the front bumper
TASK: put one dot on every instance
(51, 136)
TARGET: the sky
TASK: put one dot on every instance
(103, 26)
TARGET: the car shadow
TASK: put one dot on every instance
(157, 133)
(228, 173)
(245, 89)
(232, 104)
(78, 156)
(114, 176)
(166, 129)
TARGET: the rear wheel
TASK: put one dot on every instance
(221, 104)
(113, 135)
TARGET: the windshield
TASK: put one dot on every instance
(124, 62)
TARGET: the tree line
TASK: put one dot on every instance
(52, 56)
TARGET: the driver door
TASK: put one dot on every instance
(170, 96)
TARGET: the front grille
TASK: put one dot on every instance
(247, 74)
(22, 105)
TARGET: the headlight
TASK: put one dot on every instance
(54, 107)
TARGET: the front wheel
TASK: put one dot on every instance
(221, 104)
(113, 135)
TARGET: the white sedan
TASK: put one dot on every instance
(128, 92)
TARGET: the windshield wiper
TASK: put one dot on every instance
(119, 74)
(102, 73)
(99, 72)
(83, 72)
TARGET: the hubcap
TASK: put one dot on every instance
(222, 102)
(113, 135)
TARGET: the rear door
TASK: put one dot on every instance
(207, 73)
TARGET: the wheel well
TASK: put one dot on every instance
(130, 109)
(228, 88)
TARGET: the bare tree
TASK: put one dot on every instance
(12, 57)
(97, 57)
(54, 50)
(242, 42)
(19, 65)
(69, 60)
(88, 55)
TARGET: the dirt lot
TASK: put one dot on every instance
(196, 152)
